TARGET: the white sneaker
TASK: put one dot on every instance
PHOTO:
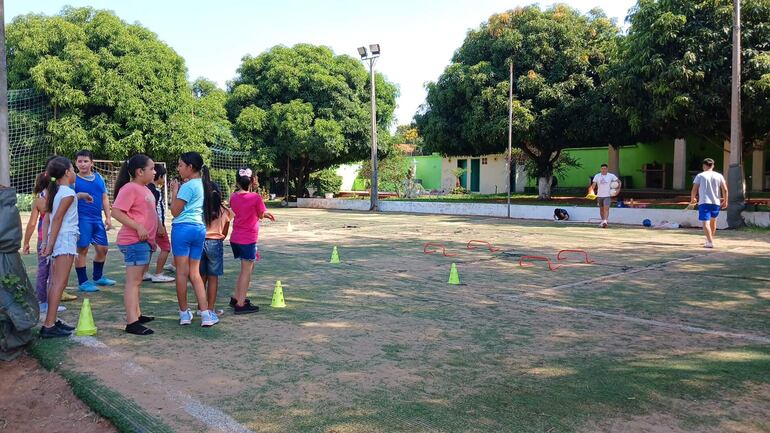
(708, 245)
(208, 319)
(603, 224)
(44, 307)
(147, 277)
(160, 278)
(185, 317)
(169, 267)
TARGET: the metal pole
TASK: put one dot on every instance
(510, 137)
(735, 180)
(374, 193)
(5, 162)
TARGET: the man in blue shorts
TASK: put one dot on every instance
(92, 229)
(711, 190)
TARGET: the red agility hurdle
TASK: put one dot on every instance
(436, 248)
(537, 258)
(583, 252)
(486, 245)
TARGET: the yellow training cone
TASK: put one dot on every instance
(335, 256)
(454, 278)
(278, 296)
(86, 320)
(289, 228)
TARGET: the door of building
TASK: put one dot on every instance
(475, 174)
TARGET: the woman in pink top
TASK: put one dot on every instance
(249, 209)
(134, 207)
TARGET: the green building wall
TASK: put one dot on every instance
(429, 170)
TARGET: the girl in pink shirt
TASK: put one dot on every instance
(249, 209)
(134, 207)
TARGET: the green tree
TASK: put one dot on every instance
(560, 57)
(673, 78)
(307, 106)
(114, 87)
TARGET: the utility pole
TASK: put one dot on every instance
(509, 163)
(370, 55)
(5, 162)
(735, 180)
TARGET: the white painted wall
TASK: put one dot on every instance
(629, 216)
(348, 172)
(492, 178)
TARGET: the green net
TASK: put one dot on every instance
(225, 164)
(28, 114)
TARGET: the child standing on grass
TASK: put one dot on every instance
(38, 221)
(249, 209)
(61, 240)
(93, 230)
(134, 207)
(192, 209)
(164, 244)
(212, 260)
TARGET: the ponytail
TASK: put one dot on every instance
(41, 183)
(123, 178)
(209, 212)
(56, 169)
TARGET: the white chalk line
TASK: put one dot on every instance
(622, 317)
(210, 416)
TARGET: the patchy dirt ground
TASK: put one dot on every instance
(34, 400)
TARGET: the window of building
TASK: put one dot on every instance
(483, 161)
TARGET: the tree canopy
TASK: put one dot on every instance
(675, 75)
(560, 57)
(307, 105)
(114, 87)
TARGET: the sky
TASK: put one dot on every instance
(417, 37)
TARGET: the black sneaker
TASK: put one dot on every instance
(145, 319)
(234, 302)
(246, 309)
(53, 332)
(61, 325)
(137, 328)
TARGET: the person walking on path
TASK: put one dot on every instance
(709, 190)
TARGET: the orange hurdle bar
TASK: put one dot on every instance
(540, 258)
(437, 246)
(489, 246)
(585, 255)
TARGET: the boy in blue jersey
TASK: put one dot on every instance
(92, 229)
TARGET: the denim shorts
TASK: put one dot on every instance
(66, 244)
(245, 251)
(92, 233)
(138, 254)
(212, 260)
(707, 211)
(604, 201)
(187, 240)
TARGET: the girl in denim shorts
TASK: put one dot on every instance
(61, 240)
(249, 209)
(134, 207)
(212, 260)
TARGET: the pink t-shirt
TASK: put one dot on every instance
(248, 207)
(138, 203)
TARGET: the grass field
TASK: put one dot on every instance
(657, 335)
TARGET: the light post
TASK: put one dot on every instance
(509, 160)
(371, 56)
(735, 181)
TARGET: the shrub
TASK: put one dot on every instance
(326, 181)
(24, 202)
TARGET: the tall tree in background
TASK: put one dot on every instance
(559, 56)
(114, 87)
(674, 77)
(306, 105)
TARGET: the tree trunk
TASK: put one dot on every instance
(544, 187)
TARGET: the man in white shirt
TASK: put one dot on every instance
(711, 190)
(606, 186)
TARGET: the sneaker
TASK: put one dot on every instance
(209, 318)
(185, 317)
(234, 302)
(137, 328)
(62, 325)
(147, 276)
(708, 245)
(603, 224)
(246, 309)
(145, 319)
(169, 267)
(104, 281)
(160, 278)
(44, 308)
(53, 332)
(65, 297)
(88, 287)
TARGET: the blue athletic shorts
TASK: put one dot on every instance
(244, 251)
(212, 260)
(187, 240)
(92, 233)
(707, 211)
(138, 254)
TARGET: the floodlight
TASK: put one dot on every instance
(362, 52)
(375, 49)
